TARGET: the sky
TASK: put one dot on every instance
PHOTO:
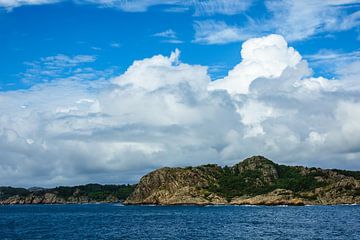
(106, 91)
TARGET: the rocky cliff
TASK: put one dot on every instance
(255, 180)
(90, 193)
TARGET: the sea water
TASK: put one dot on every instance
(115, 221)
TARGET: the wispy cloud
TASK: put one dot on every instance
(336, 63)
(115, 45)
(225, 7)
(60, 67)
(168, 36)
(177, 9)
(199, 7)
(295, 20)
(326, 55)
(333, 61)
(128, 6)
(10, 4)
(218, 32)
(298, 20)
(61, 60)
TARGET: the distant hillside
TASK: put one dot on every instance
(255, 180)
(79, 194)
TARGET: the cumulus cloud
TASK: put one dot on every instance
(261, 57)
(158, 112)
(162, 112)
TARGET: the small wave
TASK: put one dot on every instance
(216, 205)
(348, 204)
(118, 205)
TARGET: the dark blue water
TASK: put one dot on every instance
(111, 221)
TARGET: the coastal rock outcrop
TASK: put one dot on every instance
(171, 186)
(90, 193)
(256, 181)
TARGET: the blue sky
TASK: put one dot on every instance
(117, 36)
(106, 91)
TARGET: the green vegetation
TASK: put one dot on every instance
(354, 174)
(291, 178)
(95, 192)
(233, 183)
(6, 192)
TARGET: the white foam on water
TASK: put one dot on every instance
(118, 205)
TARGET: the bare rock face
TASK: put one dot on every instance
(171, 186)
(344, 191)
(276, 197)
(263, 166)
(256, 181)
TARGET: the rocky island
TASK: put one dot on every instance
(255, 181)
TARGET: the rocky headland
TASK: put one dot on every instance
(254, 181)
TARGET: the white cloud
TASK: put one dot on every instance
(159, 71)
(264, 57)
(158, 112)
(286, 112)
(161, 113)
(253, 113)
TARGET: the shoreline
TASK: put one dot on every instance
(184, 205)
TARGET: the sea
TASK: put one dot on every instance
(116, 221)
